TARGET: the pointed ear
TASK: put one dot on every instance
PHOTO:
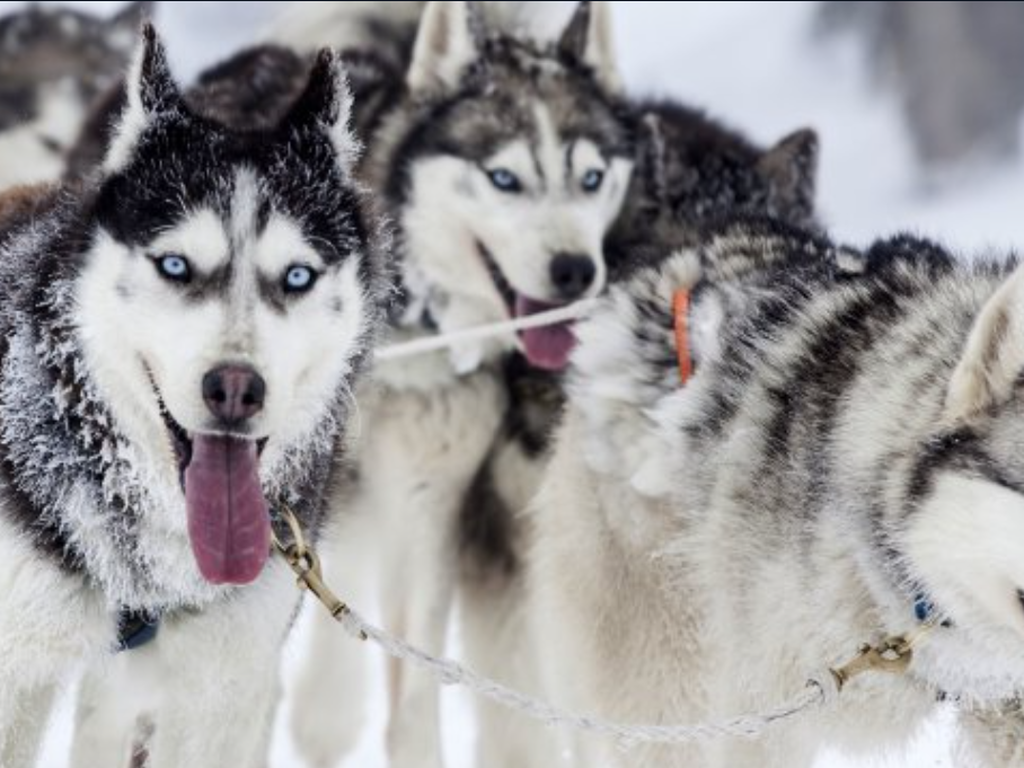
(588, 39)
(791, 168)
(326, 104)
(651, 165)
(447, 43)
(150, 92)
(993, 357)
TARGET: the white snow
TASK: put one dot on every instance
(757, 66)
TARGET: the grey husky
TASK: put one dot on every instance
(840, 467)
(180, 338)
(55, 64)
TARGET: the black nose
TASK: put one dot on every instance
(572, 274)
(234, 393)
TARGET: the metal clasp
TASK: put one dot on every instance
(892, 655)
(306, 565)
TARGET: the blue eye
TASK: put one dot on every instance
(174, 267)
(299, 278)
(591, 181)
(505, 180)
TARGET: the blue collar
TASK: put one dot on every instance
(135, 629)
(924, 610)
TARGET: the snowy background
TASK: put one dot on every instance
(759, 67)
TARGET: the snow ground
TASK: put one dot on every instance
(757, 66)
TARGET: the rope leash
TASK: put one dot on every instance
(893, 655)
(444, 340)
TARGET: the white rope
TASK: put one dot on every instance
(444, 340)
(817, 692)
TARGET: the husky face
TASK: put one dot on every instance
(54, 64)
(516, 168)
(225, 300)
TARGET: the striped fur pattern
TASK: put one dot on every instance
(847, 451)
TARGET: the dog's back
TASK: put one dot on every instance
(841, 465)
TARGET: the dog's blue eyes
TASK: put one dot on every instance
(299, 278)
(504, 180)
(174, 267)
(591, 181)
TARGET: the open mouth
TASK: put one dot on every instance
(547, 347)
(228, 515)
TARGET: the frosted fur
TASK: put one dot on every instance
(104, 361)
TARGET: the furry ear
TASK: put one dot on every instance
(150, 92)
(651, 164)
(447, 43)
(326, 103)
(588, 39)
(791, 168)
(993, 357)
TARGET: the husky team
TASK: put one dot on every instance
(761, 449)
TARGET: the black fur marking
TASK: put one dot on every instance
(690, 172)
(536, 400)
(157, 90)
(939, 453)
(487, 529)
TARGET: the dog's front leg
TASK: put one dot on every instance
(417, 602)
(49, 622)
(220, 672)
(111, 697)
(421, 478)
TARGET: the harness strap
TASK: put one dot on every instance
(680, 316)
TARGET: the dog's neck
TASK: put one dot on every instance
(427, 308)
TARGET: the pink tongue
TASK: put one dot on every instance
(547, 347)
(228, 520)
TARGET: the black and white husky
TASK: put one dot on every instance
(842, 466)
(178, 343)
(55, 64)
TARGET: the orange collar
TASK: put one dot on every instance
(680, 315)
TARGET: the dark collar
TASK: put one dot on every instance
(135, 629)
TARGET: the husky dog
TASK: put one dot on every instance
(55, 63)
(689, 170)
(692, 170)
(503, 162)
(840, 468)
(180, 338)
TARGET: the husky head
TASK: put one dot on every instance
(964, 540)
(508, 173)
(55, 63)
(692, 172)
(227, 297)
